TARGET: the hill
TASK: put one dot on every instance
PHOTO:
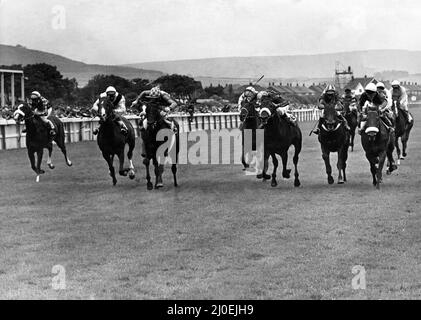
(70, 68)
(303, 66)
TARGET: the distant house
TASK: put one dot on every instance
(283, 90)
(318, 89)
(413, 90)
(302, 90)
(357, 85)
(239, 90)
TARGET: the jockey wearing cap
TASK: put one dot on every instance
(387, 110)
(156, 98)
(119, 104)
(42, 108)
(400, 97)
(349, 100)
(372, 98)
(249, 95)
(280, 104)
(330, 97)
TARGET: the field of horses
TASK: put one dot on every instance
(219, 235)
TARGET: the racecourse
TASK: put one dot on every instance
(220, 235)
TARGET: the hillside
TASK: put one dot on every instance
(308, 66)
(70, 68)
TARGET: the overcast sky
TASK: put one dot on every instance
(128, 31)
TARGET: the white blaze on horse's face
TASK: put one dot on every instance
(18, 113)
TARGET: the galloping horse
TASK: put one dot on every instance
(152, 145)
(351, 116)
(250, 120)
(111, 141)
(378, 143)
(334, 137)
(37, 138)
(402, 130)
(279, 135)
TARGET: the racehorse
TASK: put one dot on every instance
(112, 141)
(402, 130)
(250, 120)
(37, 138)
(351, 116)
(279, 135)
(152, 140)
(334, 137)
(378, 143)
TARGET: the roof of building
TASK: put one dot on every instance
(363, 81)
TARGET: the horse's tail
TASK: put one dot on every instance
(60, 134)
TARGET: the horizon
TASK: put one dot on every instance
(164, 30)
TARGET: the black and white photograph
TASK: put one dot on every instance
(210, 153)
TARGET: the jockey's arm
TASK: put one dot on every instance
(171, 103)
(95, 107)
(404, 99)
(240, 101)
(140, 97)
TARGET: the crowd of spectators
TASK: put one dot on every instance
(65, 111)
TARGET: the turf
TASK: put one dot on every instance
(220, 235)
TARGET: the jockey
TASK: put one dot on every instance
(281, 105)
(330, 97)
(349, 100)
(119, 104)
(387, 110)
(156, 98)
(400, 96)
(249, 95)
(372, 97)
(42, 108)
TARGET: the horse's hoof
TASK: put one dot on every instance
(266, 177)
(341, 181)
(159, 185)
(123, 173)
(297, 183)
(51, 166)
(330, 180)
(259, 176)
(69, 163)
(149, 186)
(41, 171)
(274, 183)
(404, 155)
(132, 175)
(114, 182)
(287, 174)
(176, 185)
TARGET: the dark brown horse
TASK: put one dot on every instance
(351, 116)
(157, 134)
(279, 135)
(37, 138)
(334, 137)
(249, 117)
(112, 141)
(402, 130)
(378, 143)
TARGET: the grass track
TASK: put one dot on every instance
(220, 235)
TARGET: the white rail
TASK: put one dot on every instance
(80, 129)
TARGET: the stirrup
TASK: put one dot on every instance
(52, 132)
(317, 131)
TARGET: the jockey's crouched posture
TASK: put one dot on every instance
(251, 95)
(119, 105)
(400, 97)
(159, 99)
(371, 97)
(41, 108)
(331, 97)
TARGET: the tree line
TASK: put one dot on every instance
(51, 84)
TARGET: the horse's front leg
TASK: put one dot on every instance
(398, 150)
(275, 167)
(286, 173)
(326, 159)
(123, 172)
(340, 165)
(149, 184)
(50, 151)
(31, 156)
(382, 159)
(110, 159)
(159, 169)
(264, 175)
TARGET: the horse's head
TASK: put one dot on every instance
(23, 112)
(248, 110)
(331, 120)
(106, 108)
(266, 113)
(373, 120)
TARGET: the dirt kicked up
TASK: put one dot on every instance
(220, 235)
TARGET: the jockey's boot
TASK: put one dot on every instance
(317, 131)
(143, 149)
(123, 127)
(361, 127)
(388, 124)
(95, 132)
(24, 130)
